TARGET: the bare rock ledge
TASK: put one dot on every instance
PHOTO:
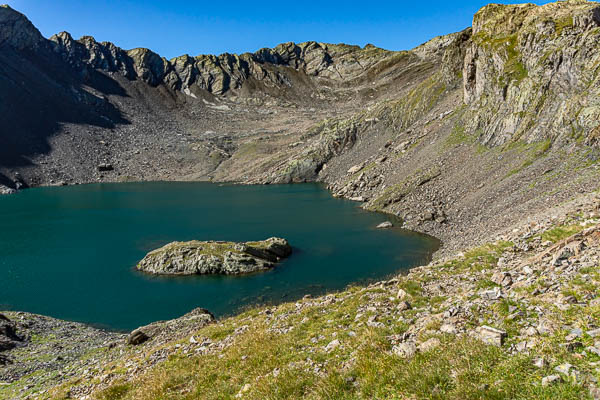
(211, 257)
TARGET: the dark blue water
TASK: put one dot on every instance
(70, 252)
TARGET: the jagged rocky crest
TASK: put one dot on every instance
(218, 74)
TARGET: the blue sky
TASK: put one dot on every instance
(177, 27)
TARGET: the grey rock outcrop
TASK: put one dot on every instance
(227, 258)
(171, 329)
(9, 338)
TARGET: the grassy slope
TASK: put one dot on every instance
(286, 352)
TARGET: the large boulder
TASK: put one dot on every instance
(227, 258)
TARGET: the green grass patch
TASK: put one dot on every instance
(559, 233)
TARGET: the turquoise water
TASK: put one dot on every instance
(70, 252)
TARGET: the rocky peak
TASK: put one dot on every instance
(149, 66)
(16, 30)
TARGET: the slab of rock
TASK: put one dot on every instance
(354, 169)
(429, 345)
(549, 380)
(105, 167)
(491, 335)
(384, 225)
(405, 350)
(227, 258)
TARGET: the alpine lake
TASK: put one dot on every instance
(70, 252)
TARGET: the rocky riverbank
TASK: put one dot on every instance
(225, 258)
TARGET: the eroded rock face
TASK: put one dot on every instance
(532, 72)
(227, 258)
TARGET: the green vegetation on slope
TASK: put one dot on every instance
(341, 346)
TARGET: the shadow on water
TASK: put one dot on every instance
(39, 92)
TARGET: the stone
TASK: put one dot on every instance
(492, 294)
(550, 379)
(403, 306)
(246, 388)
(384, 225)
(546, 326)
(568, 251)
(360, 199)
(448, 328)
(491, 335)
(334, 344)
(531, 331)
(137, 336)
(227, 258)
(9, 339)
(521, 347)
(429, 344)
(354, 169)
(502, 278)
(428, 216)
(570, 300)
(540, 362)
(401, 295)
(594, 332)
(593, 350)
(405, 350)
(6, 190)
(4, 360)
(105, 167)
(527, 270)
(564, 369)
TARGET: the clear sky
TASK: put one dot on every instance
(175, 27)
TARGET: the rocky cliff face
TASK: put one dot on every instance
(531, 72)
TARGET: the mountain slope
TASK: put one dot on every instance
(186, 115)
(486, 138)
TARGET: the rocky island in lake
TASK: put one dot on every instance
(215, 257)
